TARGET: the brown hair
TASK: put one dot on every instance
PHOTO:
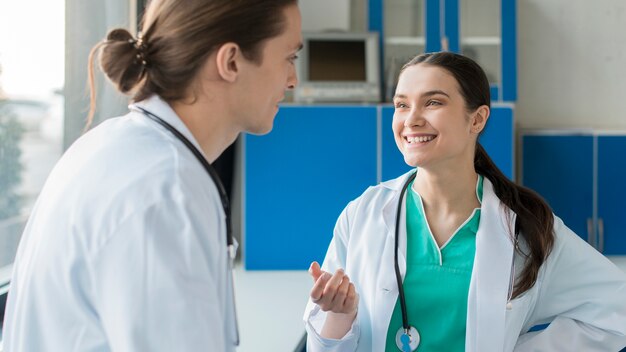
(535, 220)
(177, 38)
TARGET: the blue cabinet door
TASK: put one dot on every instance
(393, 164)
(497, 139)
(298, 179)
(560, 169)
(506, 88)
(612, 195)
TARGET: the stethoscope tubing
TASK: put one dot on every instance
(405, 318)
(209, 169)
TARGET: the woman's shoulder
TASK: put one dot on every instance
(379, 195)
(387, 188)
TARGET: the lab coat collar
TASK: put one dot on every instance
(162, 109)
(389, 217)
(397, 183)
(490, 276)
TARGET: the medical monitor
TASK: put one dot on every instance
(338, 67)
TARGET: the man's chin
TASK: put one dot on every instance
(260, 130)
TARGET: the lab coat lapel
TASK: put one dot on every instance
(389, 215)
(162, 109)
(386, 291)
(490, 277)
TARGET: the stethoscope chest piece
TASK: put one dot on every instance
(407, 342)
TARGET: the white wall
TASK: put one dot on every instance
(571, 64)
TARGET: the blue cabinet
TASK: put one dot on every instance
(478, 30)
(298, 179)
(497, 139)
(582, 177)
(611, 222)
(392, 161)
(485, 31)
(560, 169)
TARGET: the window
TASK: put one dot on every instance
(31, 114)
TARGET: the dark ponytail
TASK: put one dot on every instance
(535, 221)
(534, 218)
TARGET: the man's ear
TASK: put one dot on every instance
(227, 60)
(479, 119)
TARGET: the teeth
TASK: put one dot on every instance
(421, 139)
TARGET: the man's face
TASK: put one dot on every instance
(264, 84)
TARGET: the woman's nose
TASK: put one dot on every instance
(415, 119)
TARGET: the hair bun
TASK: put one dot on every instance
(119, 34)
(122, 59)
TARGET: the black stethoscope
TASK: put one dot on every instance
(407, 337)
(230, 245)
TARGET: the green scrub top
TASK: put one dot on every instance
(436, 283)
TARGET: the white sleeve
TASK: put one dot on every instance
(314, 317)
(159, 280)
(582, 295)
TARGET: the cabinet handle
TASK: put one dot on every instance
(445, 44)
(590, 232)
(601, 234)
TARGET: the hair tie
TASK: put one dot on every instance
(141, 48)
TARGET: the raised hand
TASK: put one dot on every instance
(333, 293)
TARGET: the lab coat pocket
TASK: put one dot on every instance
(518, 311)
(388, 285)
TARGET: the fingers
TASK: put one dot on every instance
(332, 287)
(342, 292)
(335, 292)
(318, 287)
(352, 299)
(346, 299)
(315, 271)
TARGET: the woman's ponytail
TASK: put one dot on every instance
(534, 221)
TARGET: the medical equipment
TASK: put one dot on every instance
(407, 337)
(223, 196)
(338, 67)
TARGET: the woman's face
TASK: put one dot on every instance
(431, 124)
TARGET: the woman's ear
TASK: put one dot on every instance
(479, 119)
(227, 61)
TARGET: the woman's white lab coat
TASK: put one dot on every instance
(125, 249)
(578, 290)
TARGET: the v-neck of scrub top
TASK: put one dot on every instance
(436, 284)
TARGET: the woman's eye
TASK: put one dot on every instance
(400, 105)
(433, 102)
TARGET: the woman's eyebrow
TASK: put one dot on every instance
(425, 94)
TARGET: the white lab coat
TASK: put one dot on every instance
(579, 290)
(125, 249)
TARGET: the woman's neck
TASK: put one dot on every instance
(448, 191)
